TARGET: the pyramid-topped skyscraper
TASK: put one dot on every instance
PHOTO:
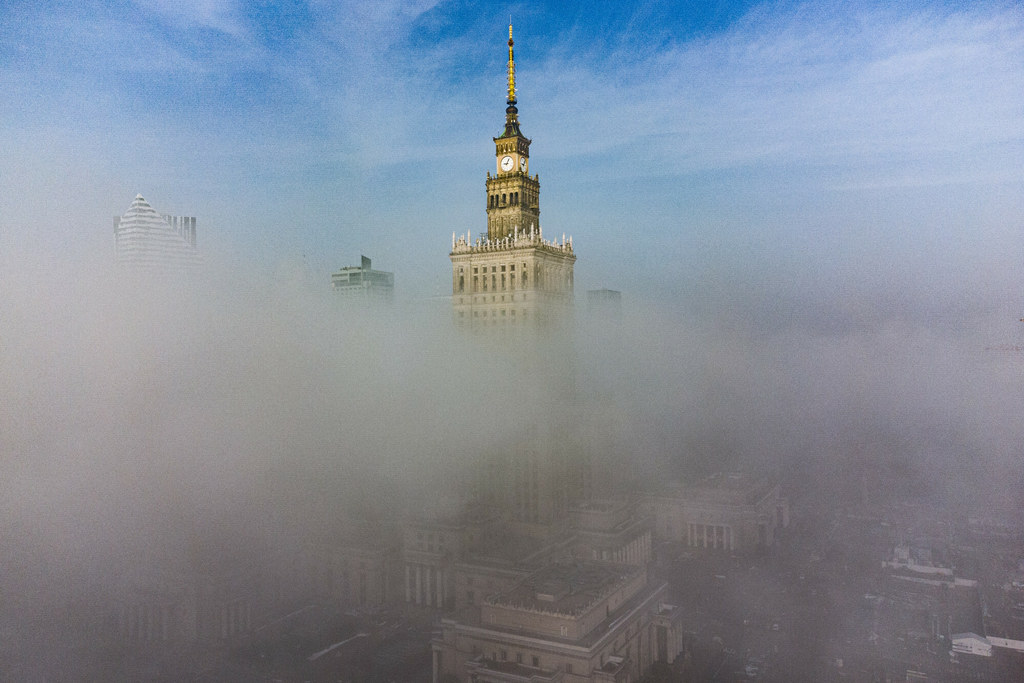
(147, 240)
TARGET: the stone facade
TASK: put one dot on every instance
(549, 584)
(731, 512)
(356, 575)
(513, 275)
(570, 622)
(611, 530)
(522, 279)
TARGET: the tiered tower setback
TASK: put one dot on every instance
(513, 275)
(147, 241)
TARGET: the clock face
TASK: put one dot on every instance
(522, 164)
(506, 163)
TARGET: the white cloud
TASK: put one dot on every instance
(219, 15)
(871, 92)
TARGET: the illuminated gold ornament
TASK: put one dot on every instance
(511, 69)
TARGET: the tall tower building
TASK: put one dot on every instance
(363, 282)
(513, 275)
(513, 278)
(147, 241)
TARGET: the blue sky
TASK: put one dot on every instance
(816, 154)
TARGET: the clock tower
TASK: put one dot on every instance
(512, 195)
(513, 275)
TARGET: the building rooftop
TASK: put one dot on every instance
(728, 488)
(569, 589)
(363, 279)
(648, 597)
(520, 239)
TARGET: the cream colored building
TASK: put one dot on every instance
(540, 582)
(726, 511)
(514, 275)
(569, 622)
(354, 574)
(611, 530)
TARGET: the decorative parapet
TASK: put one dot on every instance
(464, 244)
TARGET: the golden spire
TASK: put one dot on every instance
(511, 69)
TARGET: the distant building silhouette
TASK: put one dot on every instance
(364, 282)
(606, 303)
(145, 240)
(733, 511)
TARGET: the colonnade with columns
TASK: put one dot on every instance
(232, 618)
(146, 623)
(637, 551)
(716, 536)
(426, 585)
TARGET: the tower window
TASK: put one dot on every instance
(503, 200)
(462, 282)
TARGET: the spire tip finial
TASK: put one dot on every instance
(511, 66)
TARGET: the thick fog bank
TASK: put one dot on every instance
(220, 414)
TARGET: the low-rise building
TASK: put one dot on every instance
(725, 511)
(567, 621)
(611, 529)
(971, 644)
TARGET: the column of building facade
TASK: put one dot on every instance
(145, 623)
(715, 536)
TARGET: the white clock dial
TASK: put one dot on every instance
(522, 164)
(506, 163)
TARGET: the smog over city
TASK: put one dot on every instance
(758, 397)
